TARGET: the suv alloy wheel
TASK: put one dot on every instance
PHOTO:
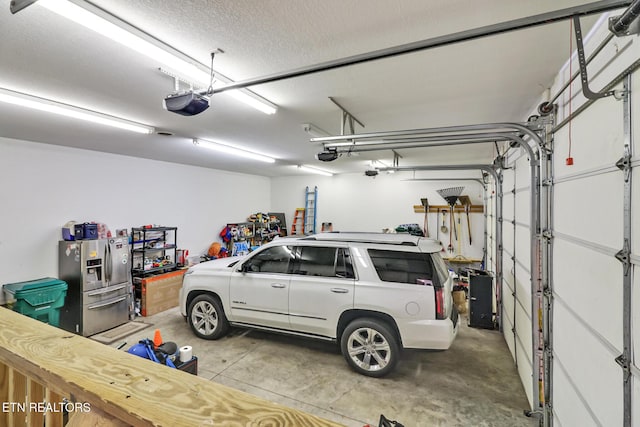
(370, 347)
(207, 318)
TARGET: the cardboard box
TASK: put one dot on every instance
(460, 301)
(160, 292)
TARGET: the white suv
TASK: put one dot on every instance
(372, 293)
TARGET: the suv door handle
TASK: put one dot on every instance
(277, 285)
(339, 290)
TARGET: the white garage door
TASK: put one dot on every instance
(594, 320)
(516, 289)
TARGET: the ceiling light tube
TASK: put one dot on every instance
(227, 149)
(314, 130)
(98, 20)
(315, 170)
(42, 104)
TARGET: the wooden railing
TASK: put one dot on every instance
(41, 365)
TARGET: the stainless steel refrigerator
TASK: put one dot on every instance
(98, 275)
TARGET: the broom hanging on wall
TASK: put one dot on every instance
(425, 203)
(451, 196)
(466, 202)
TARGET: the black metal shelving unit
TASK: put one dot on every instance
(150, 246)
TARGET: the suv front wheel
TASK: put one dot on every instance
(370, 347)
(207, 318)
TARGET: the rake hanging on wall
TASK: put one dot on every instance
(451, 196)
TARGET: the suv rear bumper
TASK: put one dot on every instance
(430, 334)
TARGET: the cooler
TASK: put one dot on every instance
(40, 299)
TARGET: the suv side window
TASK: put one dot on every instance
(323, 261)
(441, 268)
(344, 267)
(272, 260)
(402, 267)
(316, 261)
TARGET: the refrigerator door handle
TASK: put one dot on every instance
(109, 263)
(93, 307)
(105, 267)
(106, 291)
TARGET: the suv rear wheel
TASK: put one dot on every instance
(370, 347)
(207, 318)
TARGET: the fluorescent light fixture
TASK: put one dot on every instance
(42, 104)
(314, 130)
(227, 149)
(315, 170)
(103, 23)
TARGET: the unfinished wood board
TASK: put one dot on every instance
(36, 393)
(129, 388)
(440, 208)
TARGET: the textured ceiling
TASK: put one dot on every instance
(491, 79)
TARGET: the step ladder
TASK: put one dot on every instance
(310, 202)
(297, 226)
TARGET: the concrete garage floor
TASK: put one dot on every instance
(474, 383)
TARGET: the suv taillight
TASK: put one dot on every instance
(439, 295)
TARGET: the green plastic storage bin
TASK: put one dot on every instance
(40, 299)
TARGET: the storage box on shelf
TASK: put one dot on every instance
(159, 292)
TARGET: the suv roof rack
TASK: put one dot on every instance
(363, 237)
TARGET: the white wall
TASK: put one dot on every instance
(43, 186)
(354, 202)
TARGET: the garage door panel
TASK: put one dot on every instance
(523, 206)
(507, 298)
(508, 179)
(507, 240)
(526, 374)
(523, 171)
(569, 410)
(591, 367)
(523, 245)
(507, 208)
(523, 289)
(592, 146)
(523, 321)
(635, 403)
(635, 208)
(508, 268)
(635, 319)
(591, 208)
(635, 101)
(591, 284)
(507, 319)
